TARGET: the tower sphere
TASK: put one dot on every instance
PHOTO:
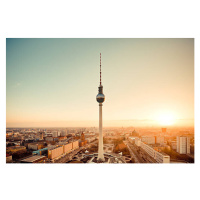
(100, 98)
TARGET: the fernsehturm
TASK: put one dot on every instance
(100, 99)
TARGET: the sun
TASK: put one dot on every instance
(166, 119)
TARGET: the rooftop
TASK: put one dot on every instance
(33, 159)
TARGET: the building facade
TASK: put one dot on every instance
(148, 139)
(183, 144)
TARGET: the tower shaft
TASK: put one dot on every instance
(100, 149)
(100, 99)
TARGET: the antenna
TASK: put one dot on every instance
(100, 68)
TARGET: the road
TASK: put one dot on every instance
(146, 156)
(140, 154)
(134, 154)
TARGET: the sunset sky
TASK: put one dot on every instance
(54, 82)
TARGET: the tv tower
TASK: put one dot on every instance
(100, 99)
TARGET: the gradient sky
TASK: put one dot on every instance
(54, 82)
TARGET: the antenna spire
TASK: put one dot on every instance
(100, 68)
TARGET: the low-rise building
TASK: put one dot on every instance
(55, 134)
(158, 156)
(8, 158)
(40, 151)
(174, 145)
(49, 139)
(55, 152)
(90, 139)
(35, 146)
(133, 140)
(15, 149)
(148, 139)
(34, 159)
(160, 140)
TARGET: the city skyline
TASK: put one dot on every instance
(52, 82)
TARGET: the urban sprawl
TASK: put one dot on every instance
(80, 145)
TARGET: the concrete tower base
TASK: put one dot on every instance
(100, 150)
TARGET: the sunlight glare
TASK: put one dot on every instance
(166, 119)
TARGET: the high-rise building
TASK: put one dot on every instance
(63, 133)
(183, 144)
(100, 99)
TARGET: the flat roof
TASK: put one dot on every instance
(33, 158)
(16, 147)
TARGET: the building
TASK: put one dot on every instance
(67, 148)
(158, 156)
(100, 99)
(41, 135)
(35, 146)
(63, 133)
(49, 139)
(159, 140)
(174, 145)
(75, 145)
(90, 139)
(161, 157)
(60, 138)
(164, 130)
(183, 144)
(55, 152)
(134, 133)
(132, 139)
(54, 134)
(59, 132)
(148, 139)
(137, 142)
(8, 158)
(82, 137)
(40, 151)
(82, 140)
(34, 159)
(15, 149)
(9, 132)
